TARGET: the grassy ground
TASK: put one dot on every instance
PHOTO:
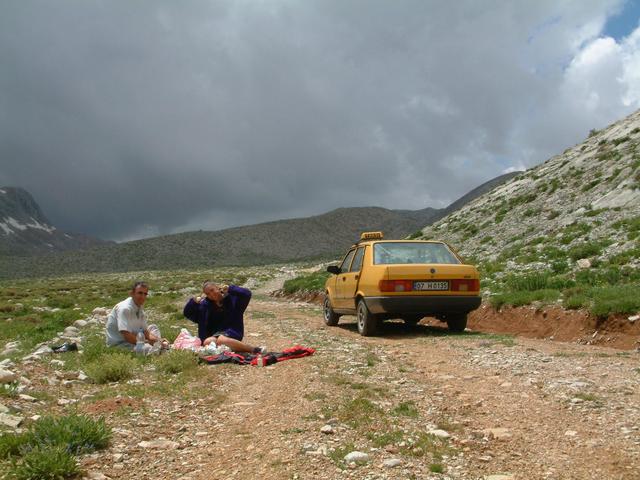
(34, 311)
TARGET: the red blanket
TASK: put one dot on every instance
(269, 358)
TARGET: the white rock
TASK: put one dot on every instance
(80, 323)
(57, 363)
(96, 476)
(328, 429)
(4, 408)
(6, 376)
(11, 421)
(82, 376)
(570, 433)
(633, 318)
(100, 311)
(6, 363)
(27, 398)
(357, 457)
(499, 477)
(584, 263)
(440, 433)
(392, 463)
(159, 444)
(71, 332)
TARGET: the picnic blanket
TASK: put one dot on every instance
(269, 358)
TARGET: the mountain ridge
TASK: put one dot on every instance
(318, 237)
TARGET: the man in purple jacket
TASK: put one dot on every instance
(220, 316)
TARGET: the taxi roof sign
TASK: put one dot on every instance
(371, 236)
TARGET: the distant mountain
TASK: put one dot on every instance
(24, 230)
(583, 204)
(319, 237)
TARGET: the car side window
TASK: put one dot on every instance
(357, 261)
(344, 266)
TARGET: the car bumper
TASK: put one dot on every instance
(425, 305)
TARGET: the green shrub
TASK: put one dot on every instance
(176, 361)
(615, 300)
(313, 282)
(520, 298)
(49, 463)
(406, 409)
(585, 250)
(11, 443)
(77, 433)
(111, 367)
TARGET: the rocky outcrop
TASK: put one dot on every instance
(581, 204)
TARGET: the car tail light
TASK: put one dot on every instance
(459, 285)
(395, 285)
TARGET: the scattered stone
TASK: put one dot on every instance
(80, 323)
(70, 332)
(356, 457)
(508, 476)
(6, 363)
(27, 398)
(328, 429)
(570, 433)
(4, 408)
(66, 401)
(96, 476)
(57, 363)
(392, 463)
(6, 376)
(100, 312)
(11, 421)
(497, 433)
(440, 433)
(633, 318)
(159, 444)
(584, 263)
(82, 376)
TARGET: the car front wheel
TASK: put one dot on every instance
(330, 317)
(457, 323)
(367, 322)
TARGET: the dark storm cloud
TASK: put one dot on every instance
(133, 119)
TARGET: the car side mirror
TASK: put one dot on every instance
(335, 269)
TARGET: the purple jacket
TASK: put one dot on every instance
(228, 319)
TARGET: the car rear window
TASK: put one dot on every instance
(410, 252)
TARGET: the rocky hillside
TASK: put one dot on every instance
(577, 210)
(24, 230)
(319, 237)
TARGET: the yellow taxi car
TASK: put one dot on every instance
(408, 279)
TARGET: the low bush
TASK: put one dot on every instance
(520, 298)
(176, 361)
(46, 450)
(111, 367)
(313, 282)
(45, 463)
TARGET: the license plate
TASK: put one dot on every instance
(431, 285)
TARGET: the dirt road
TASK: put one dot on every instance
(419, 403)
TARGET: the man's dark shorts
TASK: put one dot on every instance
(228, 332)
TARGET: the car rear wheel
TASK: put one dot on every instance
(330, 317)
(457, 323)
(367, 322)
(412, 320)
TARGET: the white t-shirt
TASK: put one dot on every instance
(128, 316)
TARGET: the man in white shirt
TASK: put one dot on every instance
(127, 318)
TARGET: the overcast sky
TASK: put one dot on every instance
(133, 119)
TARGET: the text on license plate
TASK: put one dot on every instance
(431, 285)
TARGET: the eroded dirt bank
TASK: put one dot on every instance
(552, 323)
